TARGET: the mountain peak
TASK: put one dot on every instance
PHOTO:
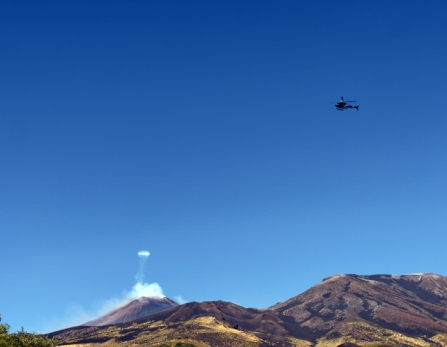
(389, 310)
(407, 303)
(138, 308)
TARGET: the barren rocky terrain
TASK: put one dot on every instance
(342, 310)
(135, 309)
(410, 304)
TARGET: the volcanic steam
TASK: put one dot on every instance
(141, 289)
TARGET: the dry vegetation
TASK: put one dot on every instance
(208, 331)
(197, 332)
(367, 335)
(175, 343)
(441, 339)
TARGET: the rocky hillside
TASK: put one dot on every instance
(135, 309)
(342, 310)
(409, 304)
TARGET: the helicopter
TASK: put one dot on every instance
(343, 105)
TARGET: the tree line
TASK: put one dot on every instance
(22, 339)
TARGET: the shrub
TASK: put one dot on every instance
(23, 339)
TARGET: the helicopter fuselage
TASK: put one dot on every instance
(343, 105)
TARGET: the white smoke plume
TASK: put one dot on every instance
(140, 288)
(140, 274)
(179, 300)
(77, 315)
(145, 289)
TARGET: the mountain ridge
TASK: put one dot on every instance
(411, 304)
(132, 310)
(399, 310)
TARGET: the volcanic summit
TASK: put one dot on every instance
(135, 309)
(343, 310)
(413, 304)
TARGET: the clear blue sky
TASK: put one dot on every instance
(202, 131)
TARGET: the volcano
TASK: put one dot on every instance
(341, 311)
(413, 304)
(135, 309)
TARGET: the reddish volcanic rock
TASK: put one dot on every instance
(411, 304)
(248, 319)
(366, 309)
(135, 309)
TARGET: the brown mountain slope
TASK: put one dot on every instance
(263, 323)
(408, 310)
(410, 304)
(135, 309)
(210, 322)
